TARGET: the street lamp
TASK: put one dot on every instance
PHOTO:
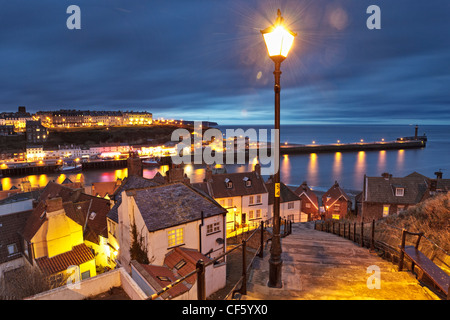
(278, 41)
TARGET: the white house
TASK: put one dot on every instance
(174, 215)
(290, 203)
(243, 194)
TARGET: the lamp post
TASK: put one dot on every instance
(278, 40)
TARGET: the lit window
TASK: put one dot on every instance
(335, 216)
(250, 214)
(230, 202)
(385, 210)
(175, 237)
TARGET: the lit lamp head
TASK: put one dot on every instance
(278, 39)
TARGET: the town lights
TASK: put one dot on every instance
(278, 40)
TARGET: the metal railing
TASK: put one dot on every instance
(390, 239)
(242, 282)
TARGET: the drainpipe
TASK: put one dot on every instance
(200, 233)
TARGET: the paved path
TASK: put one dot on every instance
(322, 266)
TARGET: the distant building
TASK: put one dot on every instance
(6, 130)
(87, 118)
(290, 203)
(387, 195)
(336, 202)
(36, 132)
(17, 119)
(310, 202)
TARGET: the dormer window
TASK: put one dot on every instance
(248, 182)
(228, 183)
(399, 192)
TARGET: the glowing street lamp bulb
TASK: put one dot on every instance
(278, 38)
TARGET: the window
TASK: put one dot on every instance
(213, 227)
(230, 202)
(385, 210)
(251, 214)
(175, 237)
(163, 278)
(290, 205)
(335, 216)
(308, 205)
(228, 183)
(258, 199)
(337, 207)
(180, 264)
(248, 182)
(258, 213)
(400, 209)
(251, 200)
(399, 192)
(12, 249)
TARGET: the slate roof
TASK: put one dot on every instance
(217, 187)
(78, 255)
(131, 182)
(286, 194)
(173, 204)
(416, 186)
(11, 226)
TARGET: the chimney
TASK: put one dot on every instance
(208, 174)
(386, 175)
(438, 174)
(134, 165)
(53, 205)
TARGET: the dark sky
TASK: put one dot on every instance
(206, 60)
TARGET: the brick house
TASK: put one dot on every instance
(388, 195)
(336, 202)
(309, 202)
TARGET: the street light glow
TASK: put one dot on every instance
(278, 38)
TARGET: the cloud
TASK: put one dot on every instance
(197, 59)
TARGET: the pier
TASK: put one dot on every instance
(349, 147)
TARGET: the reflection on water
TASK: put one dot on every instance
(360, 167)
(313, 170)
(337, 165)
(320, 171)
(381, 161)
(286, 169)
(400, 159)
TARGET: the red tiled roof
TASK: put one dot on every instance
(190, 256)
(160, 271)
(78, 255)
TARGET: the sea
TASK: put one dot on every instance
(319, 170)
